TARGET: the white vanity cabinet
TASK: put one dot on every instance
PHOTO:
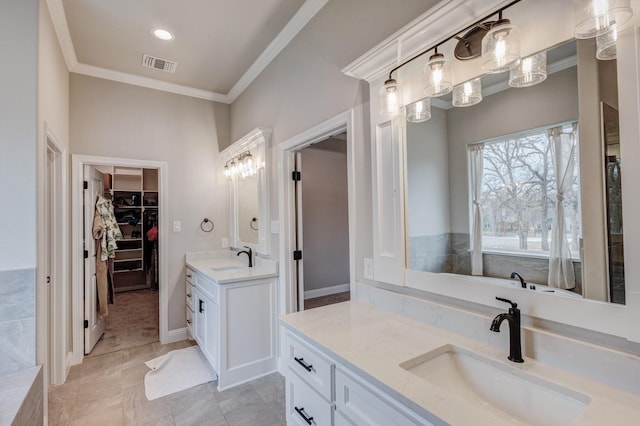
(234, 318)
(322, 391)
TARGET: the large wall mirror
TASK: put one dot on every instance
(246, 168)
(543, 166)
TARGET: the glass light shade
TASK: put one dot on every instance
(390, 97)
(226, 172)
(606, 44)
(468, 93)
(437, 76)
(233, 169)
(248, 164)
(531, 71)
(501, 47)
(419, 111)
(595, 17)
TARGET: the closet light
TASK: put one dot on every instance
(606, 44)
(437, 75)
(531, 71)
(468, 93)
(390, 97)
(501, 47)
(596, 17)
(419, 111)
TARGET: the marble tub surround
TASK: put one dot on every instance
(374, 342)
(21, 398)
(224, 266)
(17, 320)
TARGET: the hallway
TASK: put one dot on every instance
(109, 390)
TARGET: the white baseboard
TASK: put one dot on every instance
(340, 288)
(176, 335)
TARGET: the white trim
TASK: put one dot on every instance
(176, 335)
(78, 162)
(326, 291)
(307, 11)
(300, 19)
(286, 151)
(150, 83)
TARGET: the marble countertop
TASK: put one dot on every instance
(373, 342)
(224, 267)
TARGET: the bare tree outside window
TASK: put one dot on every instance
(519, 195)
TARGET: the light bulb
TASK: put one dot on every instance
(419, 111)
(389, 98)
(468, 93)
(531, 71)
(501, 47)
(437, 76)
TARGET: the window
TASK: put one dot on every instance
(519, 191)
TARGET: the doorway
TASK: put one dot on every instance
(137, 285)
(322, 218)
(291, 295)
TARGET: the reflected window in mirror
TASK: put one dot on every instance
(518, 223)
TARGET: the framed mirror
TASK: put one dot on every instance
(246, 168)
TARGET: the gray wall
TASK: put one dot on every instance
(18, 185)
(305, 86)
(325, 215)
(118, 120)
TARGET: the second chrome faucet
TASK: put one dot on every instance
(515, 339)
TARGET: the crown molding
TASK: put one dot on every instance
(301, 18)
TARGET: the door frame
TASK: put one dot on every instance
(51, 302)
(287, 298)
(77, 166)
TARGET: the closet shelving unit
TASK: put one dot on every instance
(134, 193)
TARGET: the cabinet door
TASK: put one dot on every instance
(200, 322)
(388, 195)
(212, 332)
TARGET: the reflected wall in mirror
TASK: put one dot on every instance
(247, 190)
(545, 161)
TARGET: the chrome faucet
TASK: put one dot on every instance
(249, 253)
(522, 281)
(515, 346)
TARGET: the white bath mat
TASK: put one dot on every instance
(176, 371)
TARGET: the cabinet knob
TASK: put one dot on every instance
(189, 295)
(188, 275)
(304, 415)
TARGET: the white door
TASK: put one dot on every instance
(299, 240)
(94, 322)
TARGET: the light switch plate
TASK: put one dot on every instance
(368, 268)
(177, 226)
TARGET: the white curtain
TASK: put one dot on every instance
(563, 143)
(476, 153)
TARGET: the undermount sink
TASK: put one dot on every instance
(230, 268)
(504, 392)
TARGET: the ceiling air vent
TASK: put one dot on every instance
(158, 63)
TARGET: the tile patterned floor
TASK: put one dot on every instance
(109, 390)
(132, 321)
(326, 300)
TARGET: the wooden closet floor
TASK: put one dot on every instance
(132, 321)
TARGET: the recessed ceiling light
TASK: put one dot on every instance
(162, 34)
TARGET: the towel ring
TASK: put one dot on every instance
(207, 225)
(254, 220)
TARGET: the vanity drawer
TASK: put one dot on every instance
(303, 402)
(312, 367)
(189, 295)
(189, 323)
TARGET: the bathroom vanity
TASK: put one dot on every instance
(354, 363)
(230, 311)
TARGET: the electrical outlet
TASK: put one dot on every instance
(368, 268)
(225, 243)
(177, 226)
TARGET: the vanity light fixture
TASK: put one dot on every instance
(162, 34)
(468, 93)
(438, 70)
(606, 44)
(419, 111)
(242, 165)
(501, 47)
(531, 71)
(437, 75)
(596, 17)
